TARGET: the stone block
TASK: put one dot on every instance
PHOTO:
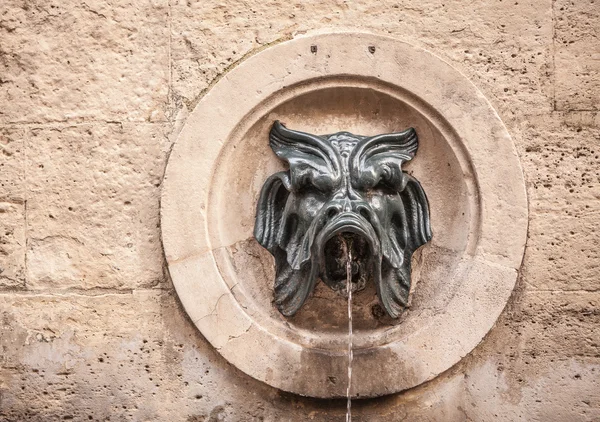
(58, 352)
(73, 61)
(563, 251)
(545, 390)
(556, 325)
(577, 55)
(93, 205)
(12, 164)
(12, 245)
(560, 156)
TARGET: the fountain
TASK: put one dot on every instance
(255, 212)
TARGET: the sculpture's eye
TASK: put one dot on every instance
(309, 182)
(385, 181)
(385, 175)
(305, 183)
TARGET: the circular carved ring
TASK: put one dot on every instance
(363, 84)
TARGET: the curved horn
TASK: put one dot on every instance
(309, 156)
(381, 157)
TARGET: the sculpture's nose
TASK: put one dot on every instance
(347, 192)
(334, 208)
(348, 200)
(345, 204)
(352, 195)
(337, 206)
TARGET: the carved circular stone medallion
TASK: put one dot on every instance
(363, 84)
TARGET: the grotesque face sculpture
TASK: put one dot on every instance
(342, 188)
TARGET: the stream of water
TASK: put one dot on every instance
(350, 356)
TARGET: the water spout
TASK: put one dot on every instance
(348, 253)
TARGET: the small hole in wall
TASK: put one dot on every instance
(313, 49)
(372, 49)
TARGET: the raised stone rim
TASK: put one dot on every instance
(488, 274)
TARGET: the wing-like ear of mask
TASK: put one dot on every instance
(379, 159)
(409, 229)
(313, 161)
(269, 212)
(417, 214)
(292, 286)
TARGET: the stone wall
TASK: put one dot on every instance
(93, 95)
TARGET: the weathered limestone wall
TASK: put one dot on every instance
(92, 96)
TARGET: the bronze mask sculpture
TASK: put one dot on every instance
(342, 188)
